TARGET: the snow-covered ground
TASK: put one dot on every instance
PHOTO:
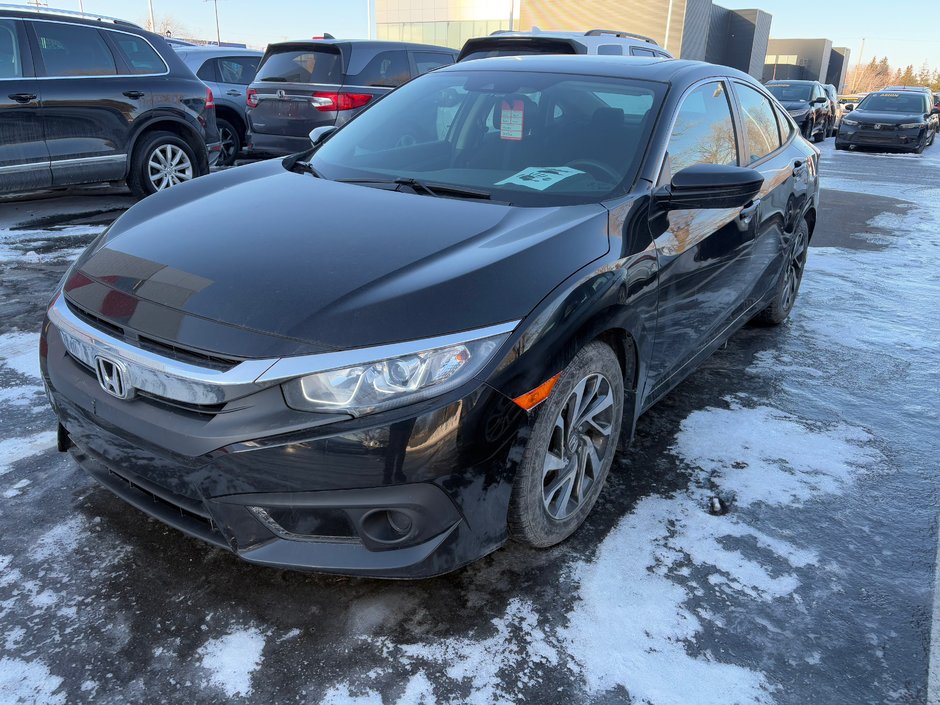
(816, 586)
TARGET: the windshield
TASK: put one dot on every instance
(894, 103)
(790, 92)
(524, 138)
(302, 66)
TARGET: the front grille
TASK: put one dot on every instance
(159, 347)
(206, 411)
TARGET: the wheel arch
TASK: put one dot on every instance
(229, 114)
(176, 125)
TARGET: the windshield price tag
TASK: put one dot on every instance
(510, 120)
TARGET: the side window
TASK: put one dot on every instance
(640, 51)
(427, 60)
(610, 50)
(140, 57)
(206, 72)
(11, 62)
(70, 50)
(387, 69)
(704, 129)
(237, 69)
(786, 125)
(760, 125)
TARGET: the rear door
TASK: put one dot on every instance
(93, 89)
(233, 74)
(24, 159)
(296, 89)
(766, 152)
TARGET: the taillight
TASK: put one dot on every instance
(326, 102)
(251, 98)
(210, 99)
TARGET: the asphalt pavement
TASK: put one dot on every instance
(817, 585)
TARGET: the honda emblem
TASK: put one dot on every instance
(281, 94)
(112, 376)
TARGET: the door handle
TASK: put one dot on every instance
(747, 213)
(134, 94)
(233, 93)
(23, 97)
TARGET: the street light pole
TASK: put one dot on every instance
(153, 25)
(218, 34)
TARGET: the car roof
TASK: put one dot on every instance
(211, 51)
(373, 43)
(589, 36)
(919, 89)
(648, 68)
(784, 80)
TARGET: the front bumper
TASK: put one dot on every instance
(890, 137)
(404, 494)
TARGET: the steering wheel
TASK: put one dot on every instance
(595, 168)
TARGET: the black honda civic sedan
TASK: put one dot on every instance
(905, 120)
(390, 354)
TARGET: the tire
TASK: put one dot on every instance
(790, 277)
(231, 142)
(808, 129)
(560, 478)
(919, 149)
(151, 152)
(821, 135)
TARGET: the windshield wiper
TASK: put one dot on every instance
(439, 190)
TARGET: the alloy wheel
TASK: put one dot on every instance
(578, 445)
(168, 166)
(794, 271)
(228, 145)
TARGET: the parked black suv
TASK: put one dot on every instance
(85, 100)
(314, 83)
(808, 104)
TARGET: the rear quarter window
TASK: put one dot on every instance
(302, 66)
(138, 55)
(387, 69)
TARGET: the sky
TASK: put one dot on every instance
(902, 30)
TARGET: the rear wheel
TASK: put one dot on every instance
(160, 161)
(571, 449)
(789, 284)
(231, 142)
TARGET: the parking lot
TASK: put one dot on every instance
(816, 585)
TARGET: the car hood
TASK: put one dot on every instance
(796, 106)
(260, 261)
(870, 116)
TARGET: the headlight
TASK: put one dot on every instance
(851, 123)
(912, 125)
(394, 381)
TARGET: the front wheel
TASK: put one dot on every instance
(571, 449)
(788, 285)
(821, 135)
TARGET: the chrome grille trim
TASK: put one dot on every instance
(191, 384)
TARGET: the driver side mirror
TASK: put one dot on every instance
(318, 135)
(935, 110)
(849, 107)
(820, 100)
(710, 186)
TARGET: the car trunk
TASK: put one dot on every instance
(295, 89)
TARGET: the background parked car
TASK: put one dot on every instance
(835, 108)
(896, 119)
(595, 41)
(808, 104)
(314, 83)
(97, 99)
(228, 72)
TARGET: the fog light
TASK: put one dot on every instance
(388, 526)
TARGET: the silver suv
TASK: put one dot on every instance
(227, 71)
(594, 41)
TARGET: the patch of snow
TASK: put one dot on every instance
(13, 450)
(15, 489)
(28, 683)
(61, 539)
(231, 659)
(19, 351)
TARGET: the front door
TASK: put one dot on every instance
(24, 159)
(700, 252)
